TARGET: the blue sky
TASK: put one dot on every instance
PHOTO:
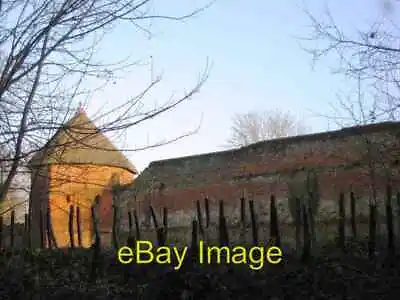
(257, 64)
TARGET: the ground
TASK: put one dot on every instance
(50, 274)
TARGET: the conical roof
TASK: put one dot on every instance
(79, 141)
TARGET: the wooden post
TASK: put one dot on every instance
(200, 218)
(48, 229)
(194, 247)
(254, 227)
(71, 226)
(95, 222)
(207, 209)
(398, 214)
(372, 231)
(50, 234)
(159, 231)
(78, 225)
(311, 220)
(274, 223)
(30, 223)
(306, 236)
(41, 228)
(154, 217)
(12, 229)
(297, 220)
(26, 236)
(243, 211)
(341, 223)
(95, 264)
(389, 220)
(353, 214)
(223, 230)
(243, 225)
(1, 232)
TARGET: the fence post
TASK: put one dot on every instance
(297, 224)
(372, 231)
(398, 214)
(341, 223)
(159, 231)
(254, 227)
(95, 222)
(200, 218)
(153, 217)
(48, 230)
(50, 233)
(78, 225)
(26, 237)
(389, 220)
(353, 214)
(222, 228)
(96, 245)
(71, 226)
(1, 232)
(41, 228)
(12, 229)
(195, 240)
(306, 235)
(243, 212)
(311, 224)
(243, 220)
(274, 223)
(207, 208)
(29, 226)
(165, 223)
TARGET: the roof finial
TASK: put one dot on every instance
(81, 108)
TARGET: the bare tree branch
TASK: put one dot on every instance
(369, 57)
(47, 55)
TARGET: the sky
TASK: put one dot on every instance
(256, 60)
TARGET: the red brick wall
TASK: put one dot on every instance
(81, 183)
(340, 159)
(182, 200)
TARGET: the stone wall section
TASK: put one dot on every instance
(358, 158)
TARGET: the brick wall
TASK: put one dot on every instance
(81, 183)
(341, 159)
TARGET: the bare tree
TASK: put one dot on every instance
(257, 126)
(368, 57)
(47, 55)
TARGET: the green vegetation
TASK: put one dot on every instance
(54, 274)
